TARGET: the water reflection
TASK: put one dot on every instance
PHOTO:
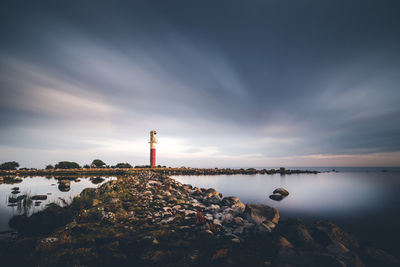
(357, 201)
(32, 194)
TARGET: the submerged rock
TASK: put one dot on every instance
(39, 197)
(277, 197)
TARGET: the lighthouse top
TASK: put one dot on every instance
(153, 139)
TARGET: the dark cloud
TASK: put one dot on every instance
(235, 79)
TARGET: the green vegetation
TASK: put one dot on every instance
(67, 165)
(98, 163)
(123, 165)
(11, 165)
(49, 167)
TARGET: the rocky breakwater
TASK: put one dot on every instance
(150, 219)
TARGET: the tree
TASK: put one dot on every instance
(123, 165)
(67, 165)
(98, 163)
(86, 166)
(11, 165)
(49, 167)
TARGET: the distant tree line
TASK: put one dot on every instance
(11, 165)
(97, 163)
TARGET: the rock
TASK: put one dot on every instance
(260, 213)
(217, 222)
(281, 191)
(168, 220)
(235, 240)
(233, 202)
(212, 200)
(64, 184)
(49, 240)
(270, 224)
(378, 257)
(209, 232)
(211, 193)
(15, 188)
(276, 197)
(296, 232)
(15, 192)
(248, 225)
(327, 233)
(213, 207)
(345, 255)
(292, 257)
(228, 218)
(209, 216)
(189, 212)
(239, 230)
(284, 243)
(239, 220)
(262, 229)
(147, 193)
(39, 197)
(97, 180)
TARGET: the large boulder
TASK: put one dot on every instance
(326, 233)
(296, 232)
(350, 258)
(378, 257)
(234, 203)
(260, 213)
(299, 258)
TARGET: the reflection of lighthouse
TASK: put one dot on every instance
(153, 142)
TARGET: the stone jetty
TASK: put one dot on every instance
(149, 219)
(160, 170)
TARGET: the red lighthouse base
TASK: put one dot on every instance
(152, 157)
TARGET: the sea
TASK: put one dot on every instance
(363, 201)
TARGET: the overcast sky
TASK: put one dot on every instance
(224, 83)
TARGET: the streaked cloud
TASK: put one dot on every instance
(243, 85)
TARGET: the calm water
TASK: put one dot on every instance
(365, 202)
(37, 186)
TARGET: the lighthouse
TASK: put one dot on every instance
(153, 142)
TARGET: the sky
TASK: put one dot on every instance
(224, 83)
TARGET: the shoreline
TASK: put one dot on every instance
(161, 170)
(166, 223)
